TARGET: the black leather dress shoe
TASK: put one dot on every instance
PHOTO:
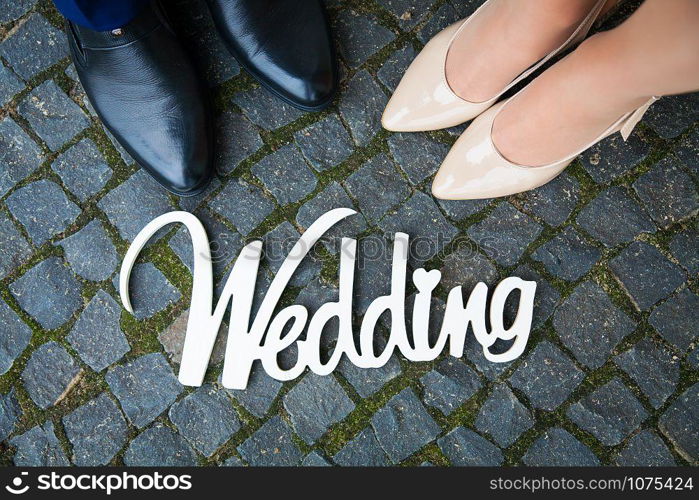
(285, 44)
(146, 91)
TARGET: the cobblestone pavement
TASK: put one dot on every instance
(609, 377)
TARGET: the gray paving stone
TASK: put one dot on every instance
(90, 252)
(443, 17)
(333, 196)
(463, 447)
(503, 416)
(362, 451)
(97, 430)
(271, 445)
(408, 13)
(466, 7)
(373, 272)
(653, 368)
(460, 209)
(140, 191)
(590, 325)
(314, 459)
(16, 9)
(210, 53)
(614, 218)
(545, 300)
(360, 37)
(43, 209)
(96, 335)
(680, 425)
(39, 447)
(557, 447)
(684, 110)
(547, 376)
(145, 387)
(192, 203)
(172, 340)
(693, 358)
(465, 267)
(159, 446)
(10, 412)
(645, 273)
(394, 68)
(10, 85)
(83, 169)
(150, 290)
(505, 234)
(33, 46)
(14, 248)
(315, 294)
(52, 114)
(206, 418)
(315, 404)
(233, 462)
(554, 201)
(645, 449)
(688, 151)
(19, 155)
(457, 131)
(318, 151)
(123, 154)
(224, 244)
(286, 175)
(260, 393)
(48, 292)
(403, 426)
(668, 192)
(674, 319)
(614, 157)
(610, 413)
(377, 186)
(15, 338)
(450, 385)
(474, 353)
(245, 205)
(421, 220)
(265, 110)
(361, 107)
(567, 255)
(418, 155)
(277, 246)
(685, 248)
(49, 374)
(367, 381)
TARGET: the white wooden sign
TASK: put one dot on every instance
(265, 339)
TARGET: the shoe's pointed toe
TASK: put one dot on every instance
(474, 169)
(316, 91)
(286, 45)
(400, 114)
(190, 171)
(423, 99)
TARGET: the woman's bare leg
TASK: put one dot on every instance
(654, 52)
(506, 38)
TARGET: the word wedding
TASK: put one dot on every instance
(245, 345)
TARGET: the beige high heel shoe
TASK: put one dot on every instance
(475, 169)
(424, 100)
